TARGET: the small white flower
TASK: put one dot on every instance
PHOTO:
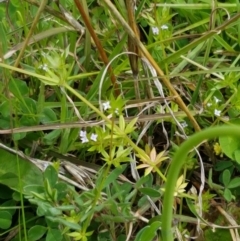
(155, 30)
(84, 139)
(184, 124)
(106, 105)
(217, 112)
(83, 134)
(94, 137)
(164, 27)
(209, 104)
(216, 99)
(43, 67)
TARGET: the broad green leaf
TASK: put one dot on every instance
(18, 136)
(5, 109)
(66, 207)
(54, 235)
(148, 232)
(51, 137)
(33, 188)
(42, 208)
(144, 180)
(36, 232)
(5, 123)
(54, 211)
(228, 144)
(62, 189)
(29, 106)
(226, 177)
(10, 176)
(60, 220)
(227, 195)
(222, 165)
(48, 116)
(9, 206)
(237, 156)
(5, 220)
(151, 192)
(114, 175)
(18, 88)
(26, 121)
(51, 175)
(235, 182)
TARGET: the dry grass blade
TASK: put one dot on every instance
(56, 126)
(98, 44)
(38, 37)
(132, 46)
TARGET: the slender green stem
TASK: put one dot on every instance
(176, 165)
(160, 174)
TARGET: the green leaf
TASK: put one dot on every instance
(26, 121)
(51, 137)
(28, 189)
(227, 194)
(66, 207)
(130, 127)
(51, 175)
(62, 189)
(237, 156)
(5, 123)
(9, 206)
(48, 116)
(60, 220)
(121, 123)
(235, 182)
(10, 175)
(148, 232)
(42, 208)
(36, 232)
(151, 192)
(144, 180)
(114, 175)
(5, 220)
(230, 144)
(28, 106)
(48, 188)
(226, 177)
(54, 211)
(18, 136)
(222, 165)
(18, 88)
(5, 109)
(54, 235)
